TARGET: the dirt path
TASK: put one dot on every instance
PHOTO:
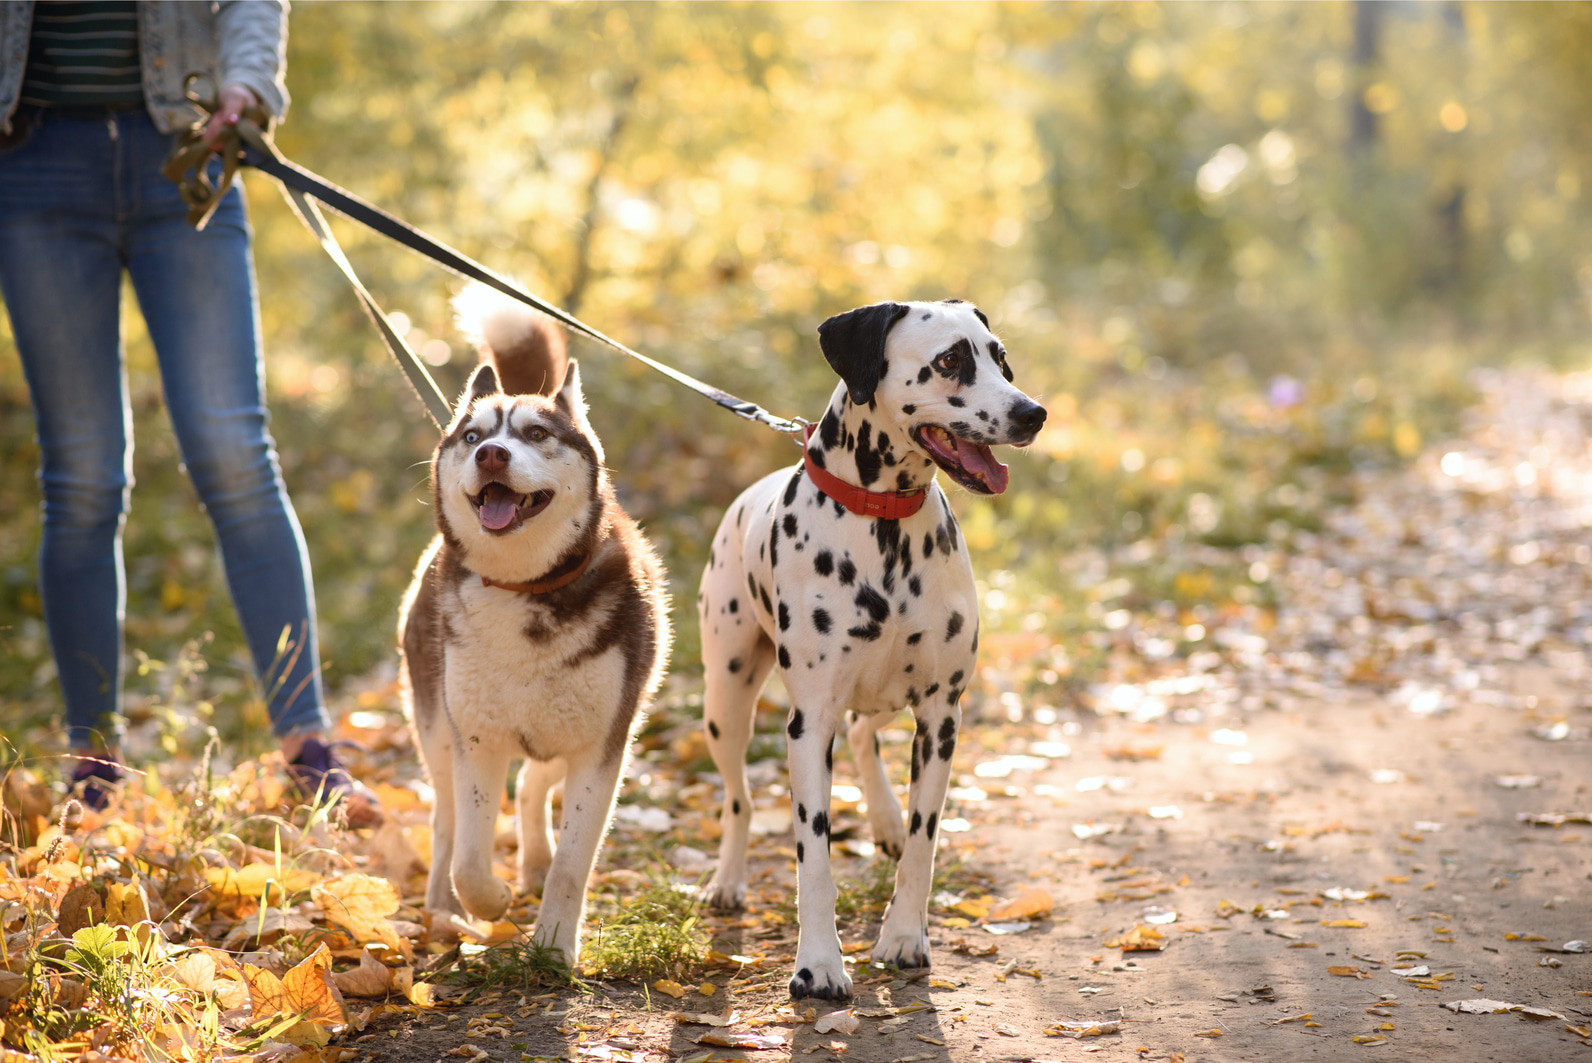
(1394, 774)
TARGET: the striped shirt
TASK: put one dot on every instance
(84, 54)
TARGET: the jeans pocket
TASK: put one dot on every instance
(22, 126)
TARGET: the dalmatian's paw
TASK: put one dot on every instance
(825, 980)
(889, 832)
(909, 948)
(724, 895)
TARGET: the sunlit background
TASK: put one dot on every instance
(1238, 250)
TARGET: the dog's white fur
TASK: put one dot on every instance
(561, 677)
(859, 614)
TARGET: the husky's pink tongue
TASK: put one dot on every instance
(498, 507)
(979, 460)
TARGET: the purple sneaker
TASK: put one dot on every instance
(99, 777)
(318, 772)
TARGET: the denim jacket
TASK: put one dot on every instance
(243, 41)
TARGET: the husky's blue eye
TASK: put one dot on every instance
(472, 436)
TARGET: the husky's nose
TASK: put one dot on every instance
(1028, 415)
(490, 457)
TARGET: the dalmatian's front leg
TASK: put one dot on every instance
(904, 937)
(884, 811)
(820, 970)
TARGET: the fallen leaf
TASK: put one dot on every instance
(725, 1039)
(1140, 939)
(704, 1018)
(1030, 903)
(371, 978)
(1369, 1040)
(845, 1022)
(360, 904)
(670, 988)
(1344, 924)
(1349, 972)
(1208, 1033)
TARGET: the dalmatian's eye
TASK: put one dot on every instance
(536, 433)
(949, 361)
(472, 437)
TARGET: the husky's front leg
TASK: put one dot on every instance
(536, 831)
(820, 969)
(904, 937)
(480, 768)
(589, 789)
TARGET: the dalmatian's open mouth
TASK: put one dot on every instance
(970, 464)
(501, 509)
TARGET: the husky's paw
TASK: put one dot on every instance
(824, 980)
(533, 876)
(487, 899)
(906, 947)
(728, 895)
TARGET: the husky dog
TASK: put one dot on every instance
(848, 572)
(536, 626)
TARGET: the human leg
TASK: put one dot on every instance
(60, 275)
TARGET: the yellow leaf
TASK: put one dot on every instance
(1350, 924)
(1370, 1040)
(306, 990)
(956, 922)
(371, 978)
(125, 904)
(1349, 972)
(1140, 939)
(1386, 1026)
(1208, 1033)
(1030, 903)
(671, 988)
(267, 884)
(360, 904)
(974, 908)
(707, 989)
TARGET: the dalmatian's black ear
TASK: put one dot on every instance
(853, 344)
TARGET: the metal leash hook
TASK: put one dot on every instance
(188, 164)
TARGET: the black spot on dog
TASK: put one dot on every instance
(947, 738)
(735, 665)
(751, 584)
(820, 824)
(953, 627)
(789, 524)
(869, 459)
(933, 687)
(928, 828)
(909, 409)
(823, 562)
(915, 585)
(942, 539)
(956, 677)
(762, 596)
(794, 728)
(773, 545)
(866, 634)
(790, 488)
(829, 758)
(848, 571)
(928, 314)
(829, 428)
(801, 852)
(821, 621)
(913, 697)
(871, 600)
(904, 484)
(805, 974)
(713, 729)
(908, 669)
(784, 656)
(917, 823)
(735, 807)
(955, 400)
(924, 374)
(913, 639)
(735, 605)
(784, 617)
(928, 545)
(801, 813)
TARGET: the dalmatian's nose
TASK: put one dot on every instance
(490, 457)
(1028, 415)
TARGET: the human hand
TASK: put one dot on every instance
(234, 98)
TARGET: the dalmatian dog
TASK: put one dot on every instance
(847, 572)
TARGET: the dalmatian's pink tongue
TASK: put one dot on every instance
(979, 460)
(498, 507)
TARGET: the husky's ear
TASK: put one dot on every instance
(853, 344)
(483, 382)
(572, 401)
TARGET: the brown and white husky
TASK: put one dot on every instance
(537, 627)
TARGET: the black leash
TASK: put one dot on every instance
(249, 143)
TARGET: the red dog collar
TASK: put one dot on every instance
(886, 505)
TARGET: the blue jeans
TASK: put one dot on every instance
(82, 200)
